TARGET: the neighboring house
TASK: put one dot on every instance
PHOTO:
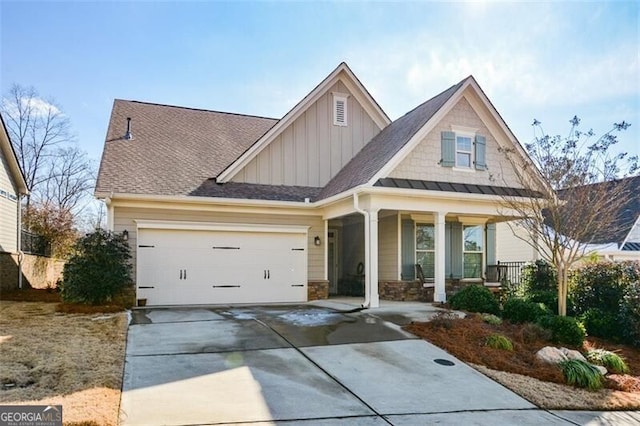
(230, 208)
(12, 186)
(621, 243)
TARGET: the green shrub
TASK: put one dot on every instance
(602, 285)
(520, 311)
(475, 298)
(629, 316)
(539, 276)
(549, 298)
(582, 374)
(491, 319)
(498, 341)
(565, 330)
(611, 360)
(98, 270)
(601, 324)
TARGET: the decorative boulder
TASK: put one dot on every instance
(551, 355)
(601, 369)
(571, 354)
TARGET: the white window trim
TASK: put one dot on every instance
(471, 152)
(344, 98)
(415, 240)
(481, 252)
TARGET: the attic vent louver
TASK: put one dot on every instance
(340, 109)
(128, 135)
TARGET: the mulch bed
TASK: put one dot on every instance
(53, 296)
(465, 339)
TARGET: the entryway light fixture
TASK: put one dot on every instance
(125, 235)
(316, 240)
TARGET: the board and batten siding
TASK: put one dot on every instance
(388, 248)
(312, 150)
(125, 217)
(423, 163)
(8, 209)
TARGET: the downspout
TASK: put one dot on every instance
(367, 277)
(19, 242)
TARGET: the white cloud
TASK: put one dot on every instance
(39, 107)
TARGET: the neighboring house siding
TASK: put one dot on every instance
(388, 248)
(125, 219)
(510, 248)
(8, 209)
(634, 234)
(423, 162)
(312, 150)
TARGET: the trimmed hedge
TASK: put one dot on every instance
(98, 270)
(519, 311)
(475, 298)
(566, 330)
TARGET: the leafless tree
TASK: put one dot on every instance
(36, 128)
(576, 193)
(70, 179)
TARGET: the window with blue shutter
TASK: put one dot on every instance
(481, 148)
(448, 148)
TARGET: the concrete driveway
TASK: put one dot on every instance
(306, 364)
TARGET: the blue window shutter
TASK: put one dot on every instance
(408, 250)
(491, 244)
(481, 149)
(456, 250)
(448, 146)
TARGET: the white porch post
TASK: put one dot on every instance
(372, 261)
(439, 291)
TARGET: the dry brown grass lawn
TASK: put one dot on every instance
(518, 370)
(49, 357)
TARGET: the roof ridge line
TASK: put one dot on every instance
(196, 109)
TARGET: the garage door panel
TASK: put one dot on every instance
(215, 267)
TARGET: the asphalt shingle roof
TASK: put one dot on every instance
(381, 149)
(174, 150)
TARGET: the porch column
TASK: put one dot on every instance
(372, 261)
(439, 294)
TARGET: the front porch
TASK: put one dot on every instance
(422, 254)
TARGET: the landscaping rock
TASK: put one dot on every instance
(551, 355)
(571, 354)
(601, 369)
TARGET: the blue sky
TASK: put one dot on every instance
(548, 61)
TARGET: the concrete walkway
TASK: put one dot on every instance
(310, 365)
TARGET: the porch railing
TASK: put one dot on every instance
(512, 271)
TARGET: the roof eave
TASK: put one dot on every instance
(12, 160)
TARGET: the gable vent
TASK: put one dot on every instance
(339, 109)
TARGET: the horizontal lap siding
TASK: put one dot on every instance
(125, 219)
(8, 210)
(388, 248)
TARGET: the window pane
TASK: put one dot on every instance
(463, 160)
(463, 144)
(472, 265)
(427, 260)
(425, 237)
(473, 238)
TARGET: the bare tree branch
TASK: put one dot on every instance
(579, 199)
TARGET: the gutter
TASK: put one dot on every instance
(367, 279)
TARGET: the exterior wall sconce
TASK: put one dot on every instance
(316, 240)
(125, 235)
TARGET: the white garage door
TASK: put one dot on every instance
(179, 267)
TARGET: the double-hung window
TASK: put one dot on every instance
(473, 248)
(426, 249)
(464, 151)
